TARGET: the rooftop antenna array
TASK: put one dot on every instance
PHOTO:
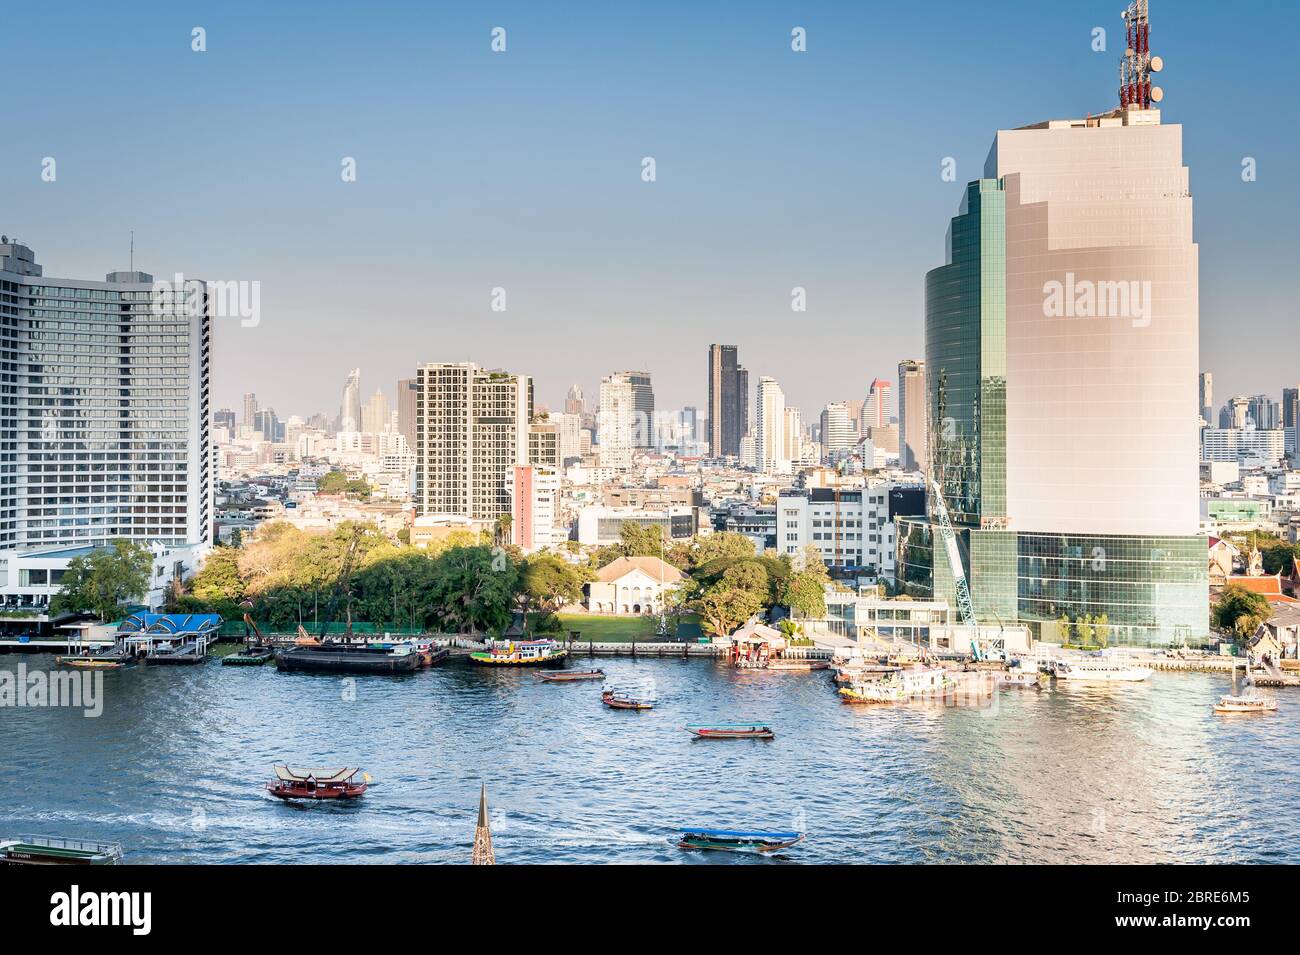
(1136, 90)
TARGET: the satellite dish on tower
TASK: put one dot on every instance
(1157, 94)
(1157, 64)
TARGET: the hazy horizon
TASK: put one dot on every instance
(522, 170)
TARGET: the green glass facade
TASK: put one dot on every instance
(965, 353)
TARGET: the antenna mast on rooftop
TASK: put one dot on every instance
(1135, 88)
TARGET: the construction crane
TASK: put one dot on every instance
(964, 603)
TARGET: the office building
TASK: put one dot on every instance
(375, 415)
(250, 408)
(878, 409)
(350, 408)
(911, 415)
(769, 434)
(1061, 361)
(728, 401)
(838, 431)
(1207, 397)
(407, 391)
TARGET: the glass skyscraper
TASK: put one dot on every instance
(1061, 360)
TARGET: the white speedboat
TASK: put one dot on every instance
(1098, 670)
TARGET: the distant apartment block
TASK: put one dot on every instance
(471, 432)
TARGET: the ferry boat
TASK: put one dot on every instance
(732, 731)
(1245, 704)
(1098, 670)
(628, 698)
(735, 840)
(914, 683)
(572, 676)
(291, 783)
(46, 850)
(523, 653)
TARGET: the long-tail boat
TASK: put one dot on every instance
(628, 699)
(733, 840)
(521, 653)
(89, 663)
(294, 783)
(572, 676)
(732, 731)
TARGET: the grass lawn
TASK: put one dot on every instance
(601, 629)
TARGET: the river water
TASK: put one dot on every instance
(174, 768)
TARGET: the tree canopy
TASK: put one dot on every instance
(103, 580)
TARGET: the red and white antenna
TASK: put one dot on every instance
(1135, 88)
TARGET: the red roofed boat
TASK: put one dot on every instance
(295, 783)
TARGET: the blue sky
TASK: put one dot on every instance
(522, 170)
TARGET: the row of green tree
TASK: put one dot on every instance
(283, 577)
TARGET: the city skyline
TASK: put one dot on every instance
(859, 252)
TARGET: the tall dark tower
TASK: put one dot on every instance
(728, 401)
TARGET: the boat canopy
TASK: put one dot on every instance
(293, 774)
(740, 834)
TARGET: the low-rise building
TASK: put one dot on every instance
(631, 586)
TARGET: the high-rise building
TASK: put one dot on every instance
(270, 427)
(375, 416)
(1207, 397)
(617, 421)
(250, 408)
(471, 431)
(838, 432)
(793, 450)
(769, 433)
(643, 408)
(878, 409)
(408, 390)
(224, 418)
(1291, 407)
(911, 415)
(569, 425)
(1265, 412)
(1235, 412)
(104, 415)
(544, 443)
(573, 402)
(1061, 358)
(728, 401)
(350, 409)
(535, 495)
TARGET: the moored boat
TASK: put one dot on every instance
(512, 653)
(572, 676)
(798, 665)
(47, 850)
(347, 658)
(251, 657)
(294, 783)
(1019, 678)
(732, 731)
(736, 840)
(1245, 704)
(89, 663)
(1098, 670)
(918, 682)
